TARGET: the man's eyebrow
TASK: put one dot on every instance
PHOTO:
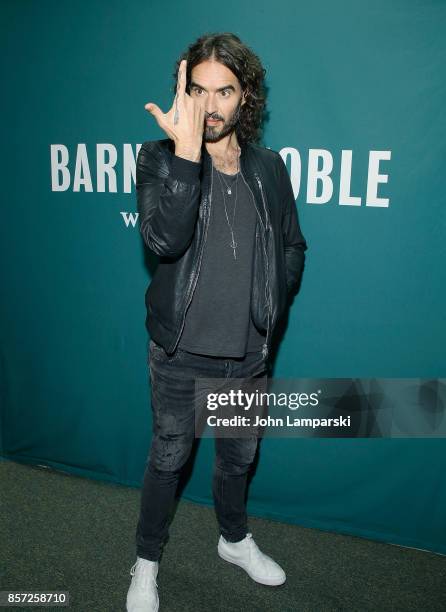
(193, 84)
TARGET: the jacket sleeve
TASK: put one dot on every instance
(168, 200)
(294, 242)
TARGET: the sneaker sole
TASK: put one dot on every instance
(265, 581)
(156, 609)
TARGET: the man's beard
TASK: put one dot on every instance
(212, 132)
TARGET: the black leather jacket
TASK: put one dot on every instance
(174, 202)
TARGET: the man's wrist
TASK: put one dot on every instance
(192, 154)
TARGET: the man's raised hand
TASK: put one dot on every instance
(184, 122)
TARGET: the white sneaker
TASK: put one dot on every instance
(246, 554)
(142, 595)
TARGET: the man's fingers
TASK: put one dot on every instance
(153, 109)
(181, 81)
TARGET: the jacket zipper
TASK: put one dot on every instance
(268, 226)
(265, 349)
(194, 282)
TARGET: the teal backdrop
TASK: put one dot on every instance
(342, 76)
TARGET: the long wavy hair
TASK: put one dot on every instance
(228, 49)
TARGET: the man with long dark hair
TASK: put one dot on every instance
(218, 210)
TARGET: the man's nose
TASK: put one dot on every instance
(210, 106)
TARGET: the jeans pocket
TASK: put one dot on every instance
(157, 353)
(257, 361)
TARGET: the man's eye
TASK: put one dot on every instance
(225, 91)
(197, 90)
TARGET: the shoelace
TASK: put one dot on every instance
(144, 576)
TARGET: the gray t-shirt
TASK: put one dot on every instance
(218, 320)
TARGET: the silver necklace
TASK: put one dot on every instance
(227, 187)
(233, 243)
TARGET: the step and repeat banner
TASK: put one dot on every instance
(355, 97)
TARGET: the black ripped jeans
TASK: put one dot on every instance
(173, 432)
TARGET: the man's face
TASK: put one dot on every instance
(218, 90)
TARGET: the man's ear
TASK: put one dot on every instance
(244, 96)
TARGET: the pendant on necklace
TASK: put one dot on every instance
(233, 245)
(229, 190)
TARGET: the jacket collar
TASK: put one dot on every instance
(248, 166)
